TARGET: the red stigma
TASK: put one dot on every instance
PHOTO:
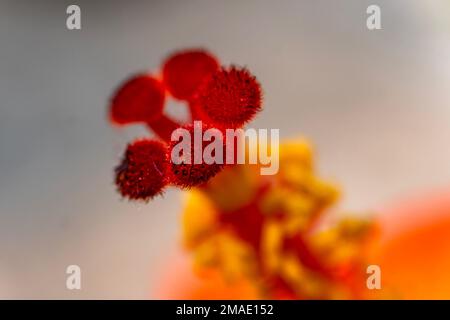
(184, 71)
(220, 97)
(139, 99)
(142, 172)
(230, 98)
(188, 174)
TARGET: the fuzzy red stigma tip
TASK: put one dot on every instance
(230, 98)
(188, 174)
(142, 173)
(139, 99)
(184, 71)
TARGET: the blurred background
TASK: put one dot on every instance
(376, 105)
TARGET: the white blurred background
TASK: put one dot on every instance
(376, 104)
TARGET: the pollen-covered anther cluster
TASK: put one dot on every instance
(219, 97)
(272, 231)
